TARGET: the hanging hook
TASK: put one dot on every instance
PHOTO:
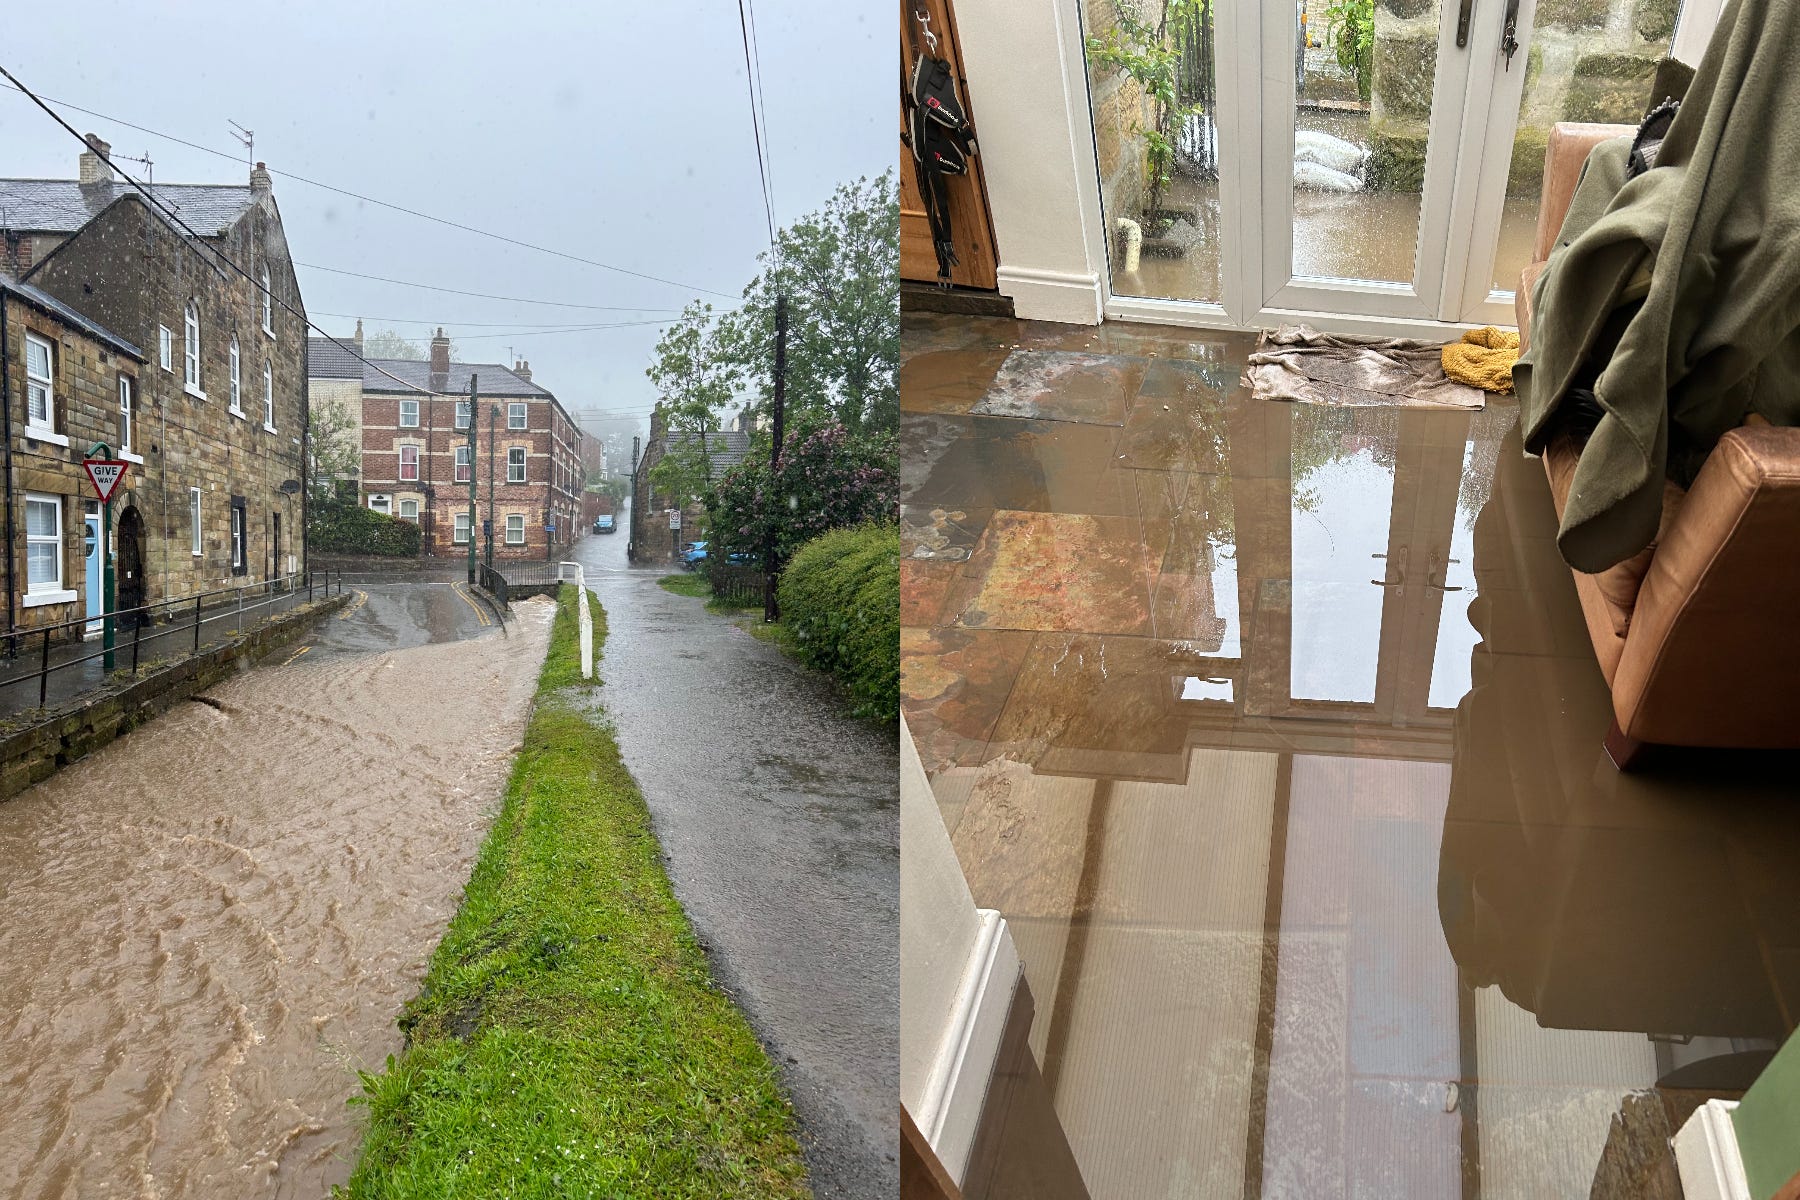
(924, 20)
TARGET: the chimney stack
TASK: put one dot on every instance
(440, 353)
(260, 183)
(358, 338)
(523, 371)
(94, 167)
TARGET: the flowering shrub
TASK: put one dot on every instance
(827, 479)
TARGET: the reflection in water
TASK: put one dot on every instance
(1423, 944)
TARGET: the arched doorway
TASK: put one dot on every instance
(129, 568)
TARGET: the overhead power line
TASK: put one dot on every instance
(752, 77)
(454, 324)
(479, 295)
(401, 208)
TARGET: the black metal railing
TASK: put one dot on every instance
(495, 583)
(148, 628)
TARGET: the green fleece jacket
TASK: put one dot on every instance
(1709, 241)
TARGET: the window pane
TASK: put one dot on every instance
(37, 358)
(40, 403)
(40, 518)
(43, 563)
(1158, 159)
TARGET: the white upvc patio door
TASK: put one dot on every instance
(1402, 248)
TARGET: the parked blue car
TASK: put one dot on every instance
(693, 556)
(604, 523)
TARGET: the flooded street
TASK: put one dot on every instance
(208, 927)
(779, 817)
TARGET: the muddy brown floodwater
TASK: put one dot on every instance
(209, 926)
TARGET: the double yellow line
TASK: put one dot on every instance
(480, 612)
(361, 599)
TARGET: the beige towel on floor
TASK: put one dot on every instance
(1299, 363)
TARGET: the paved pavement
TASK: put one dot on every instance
(778, 815)
(397, 615)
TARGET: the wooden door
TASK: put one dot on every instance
(969, 224)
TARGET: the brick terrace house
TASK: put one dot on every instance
(651, 538)
(68, 383)
(217, 420)
(415, 451)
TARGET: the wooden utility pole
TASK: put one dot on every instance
(771, 606)
(471, 480)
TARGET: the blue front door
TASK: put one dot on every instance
(91, 543)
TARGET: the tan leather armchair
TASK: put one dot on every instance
(1699, 634)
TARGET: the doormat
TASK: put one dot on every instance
(1298, 363)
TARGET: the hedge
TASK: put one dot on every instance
(353, 529)
(840, 599)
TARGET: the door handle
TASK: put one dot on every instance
(1463, 16)
(1509, 44)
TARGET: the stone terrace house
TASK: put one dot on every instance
(218, 416)
(68, 383)
(415, 450)
(651, 538)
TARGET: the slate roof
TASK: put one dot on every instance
(726, 447)
(65, 205)
(46, 303)
(491, 378)
(326, 359)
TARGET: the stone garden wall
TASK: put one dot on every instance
(1590, 60)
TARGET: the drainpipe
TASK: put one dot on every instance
(12, 580)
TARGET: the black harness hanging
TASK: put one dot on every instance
(940, 136)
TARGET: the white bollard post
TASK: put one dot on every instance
(586, 617)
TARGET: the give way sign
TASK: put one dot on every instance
(106, 474)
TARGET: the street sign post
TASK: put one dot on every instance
(675, 531)
(106, 473)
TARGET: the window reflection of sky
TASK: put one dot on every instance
(1336, 610)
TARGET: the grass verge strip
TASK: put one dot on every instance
(569, 1039)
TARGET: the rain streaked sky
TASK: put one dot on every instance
(619, 133)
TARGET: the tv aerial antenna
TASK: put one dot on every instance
(247, 137)
(149, 167)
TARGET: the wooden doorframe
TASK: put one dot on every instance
(978, 259)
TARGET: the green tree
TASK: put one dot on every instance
(695, 381)
(840, 270)
(1144, 51)
(333, 444)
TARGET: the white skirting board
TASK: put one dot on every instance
(1706, 1154)
(959, 1078)
(1065, 296)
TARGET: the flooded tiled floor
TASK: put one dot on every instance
(1275, 732)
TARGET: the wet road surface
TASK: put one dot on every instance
(778, 815)
(209, 926)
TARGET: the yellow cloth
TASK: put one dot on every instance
(1484, 359)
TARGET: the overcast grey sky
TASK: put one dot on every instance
(620, 133)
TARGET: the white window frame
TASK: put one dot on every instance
(165, 348)
(510, 477)
(461, 526)
(462, 414)
(268, 305)
(463, 464)
(414, 423)
(510, 519)
(400, 465)
(45, 591)
(190, 350)
(127, 417)
(236, 408)
(44, 383)
(240, 540)
(195, 528)
(516, 415)
(412, 516)
(382, 503)
(268, 395)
